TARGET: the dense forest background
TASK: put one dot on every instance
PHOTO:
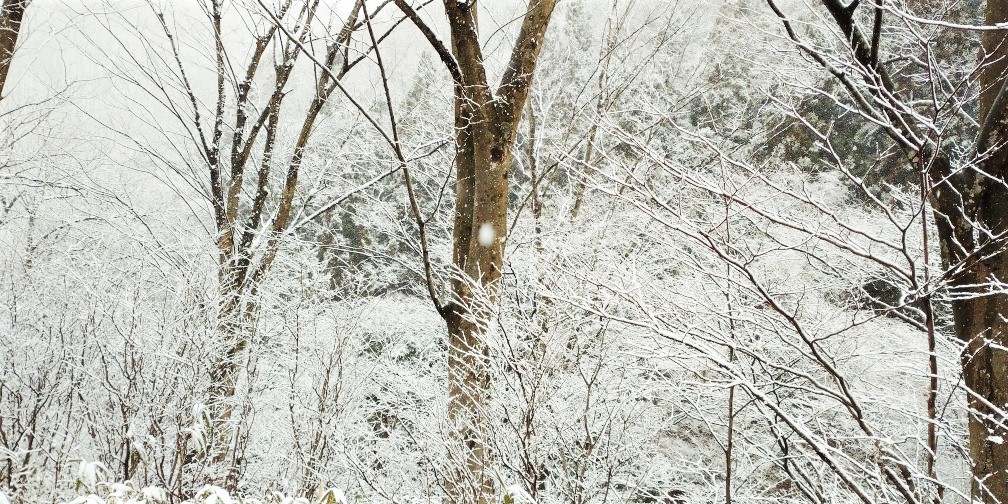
(715, 251)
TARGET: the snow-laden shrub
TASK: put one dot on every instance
(127, 493)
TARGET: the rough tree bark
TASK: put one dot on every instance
(970, 204)
(486, 124)
(975, 207)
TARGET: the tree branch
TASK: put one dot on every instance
(876, 34)
(439, 47)
(517, 79)
(408, 178)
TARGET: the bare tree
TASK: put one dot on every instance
(486, 125)
(967, 194)
(246, 167)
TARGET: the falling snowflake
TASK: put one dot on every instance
(487, 235)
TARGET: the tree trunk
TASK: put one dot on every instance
(10, 27)
(483, 163)
(970, 205)
(979, 320)
(981, 325)
(470, 477)
(486, 125)
(235, 325)
(971, 216)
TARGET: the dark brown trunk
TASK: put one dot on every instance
(972, 209)
(980, 324)
(971, 216)
(10, 28)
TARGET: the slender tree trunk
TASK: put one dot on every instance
(235, 326)
(248, 223)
